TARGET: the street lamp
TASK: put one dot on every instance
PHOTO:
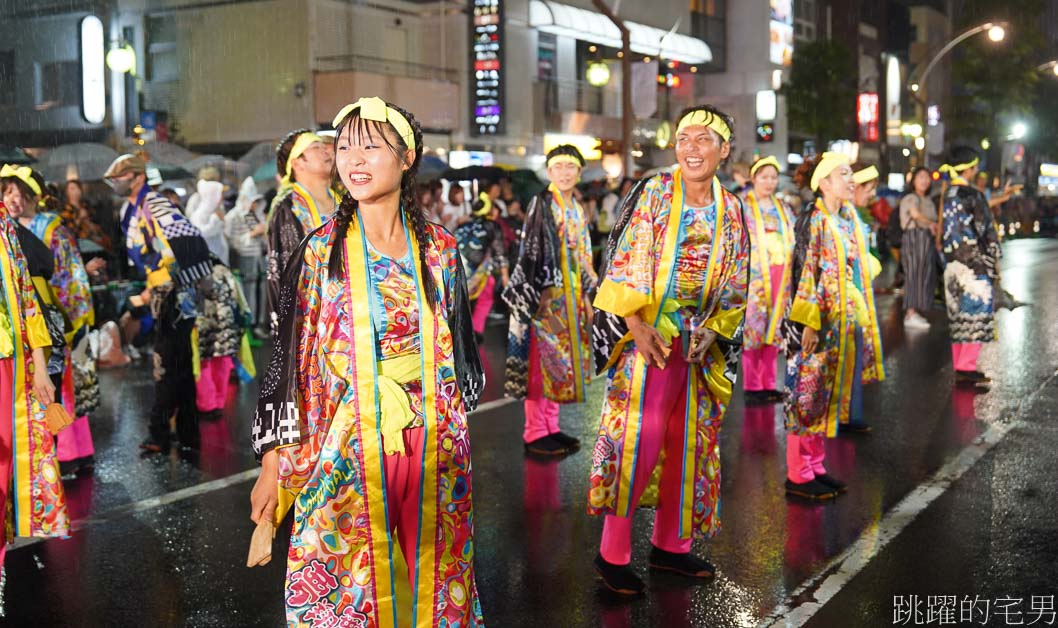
(1018, 130)
(1050, 65)
(996, 32)
(122, 59)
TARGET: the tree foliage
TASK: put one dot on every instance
(821, 90)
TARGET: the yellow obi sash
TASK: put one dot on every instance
(393, 401)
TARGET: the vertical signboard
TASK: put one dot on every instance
(486, 68)
(867, 115)
(780, 32)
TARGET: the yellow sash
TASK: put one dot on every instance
(571, 288)
(847, 367)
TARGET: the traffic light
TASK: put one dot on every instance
(765, 132)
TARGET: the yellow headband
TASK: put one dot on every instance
(960, 167)
(770, 160)
(300, 145)
(23, 174)
(870, 173)
(829, 162)
(564, 159)
(487, 207)
(376, 109)
(707, 119)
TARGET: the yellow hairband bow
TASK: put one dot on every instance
(829, 162)
(707, 119)
(487, 204)
(960, 167)
(23, 174)
(870, 173)
(376, 109)
(770, 160)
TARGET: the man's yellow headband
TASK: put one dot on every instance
(870, 173)
(486, 206)
(23, 174)
(770, 160)
(300, 146)
(376, 109)
(564, 159)
(700, 117)
(960, 167)
(830, 162)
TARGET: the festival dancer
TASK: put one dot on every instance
(305, 200)
(549, 338)
(175, 258)
(30, 487)
(361, 424)
(667, 332)
(828, 355)
(71, 293)
(482, 247)
(971, 249)
(770, 226)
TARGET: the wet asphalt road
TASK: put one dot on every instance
(137, 562)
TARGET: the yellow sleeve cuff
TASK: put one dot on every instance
(619, 299)
(806, 313)
(726, 322)
(37, 331)
(158, 277)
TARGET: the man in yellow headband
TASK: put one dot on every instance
(971, 249)
(667, 333)
(549, 337)
(305, 164)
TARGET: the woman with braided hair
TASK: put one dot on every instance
(361, 424)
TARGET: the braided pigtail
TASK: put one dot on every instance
(342, 218)
(415, 215)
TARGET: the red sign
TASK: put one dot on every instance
(867, 116)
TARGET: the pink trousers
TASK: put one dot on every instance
(75, 441)
(212, 386)
(7, 402)
(964, 355)
(541, 413)
(759, 365)
(662, 426)
(804, 457)
(483, 306)
(403, 505)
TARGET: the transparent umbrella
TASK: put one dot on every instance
(84, 161)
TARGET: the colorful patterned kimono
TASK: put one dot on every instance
(971, 249)
(329, 403)
(677, 267)
(483, 252)
(35, 504)
(833, 297)
(771, 238)
(70, 280)
(554, 265)
(293, 214)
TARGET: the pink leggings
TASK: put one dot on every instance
(541, 413)
(7, 402)
(759, 365)
(212, 386)
(483, 306)
(662, 426)
(964, 355)
(75, 441)
(403, 504)
(804, 457)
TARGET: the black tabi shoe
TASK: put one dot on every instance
(810, 490)
(756, 397)
(972, 376)
(565, 439)
(828, 480)
(618, 578)
(546, 446)
(687, 565)
(68, 468)
(774, 395)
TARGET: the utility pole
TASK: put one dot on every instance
(626, 86)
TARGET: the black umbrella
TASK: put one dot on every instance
(474, 172)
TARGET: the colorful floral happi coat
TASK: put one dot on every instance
(69, 281)
(320, 406)
(771, 238)
(483, 251)
(709, 281)
(833, 297)
(971, 248)
(554, 267)
(37, 505)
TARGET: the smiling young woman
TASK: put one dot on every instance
(361, 422)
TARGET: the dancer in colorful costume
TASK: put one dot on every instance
(771, 235)
(549, 337)
(483, 251)
(361, 424)
(305, 200)
(971, 249)
(830, 350)
(667, 334)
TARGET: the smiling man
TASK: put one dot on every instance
(667, 332)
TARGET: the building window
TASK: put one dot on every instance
(806, 15)
(56, 84)
(7, 77)
(708, 23)
(162, 61)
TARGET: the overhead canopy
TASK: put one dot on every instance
(562, 19)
